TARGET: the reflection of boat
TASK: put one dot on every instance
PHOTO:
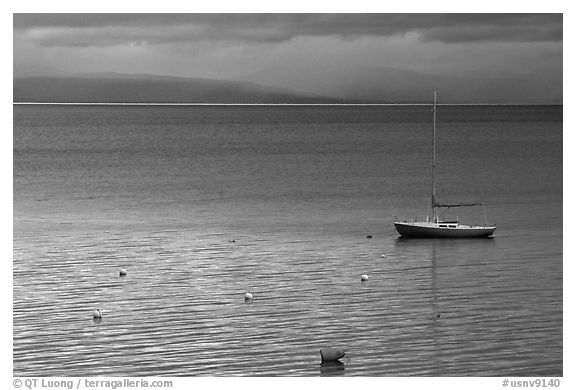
(435, 226)
(332, 368)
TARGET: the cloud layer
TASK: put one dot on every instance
(327, 54)
(101, 30)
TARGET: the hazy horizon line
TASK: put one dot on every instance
(280, 104)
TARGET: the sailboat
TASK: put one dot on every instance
(436, 226)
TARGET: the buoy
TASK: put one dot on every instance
(97, 313)
(364, 278)
(122, 272)
(383, 256)
(231, 240)
(248, 296)
(368, 236)
(438, 315)
(331, 354)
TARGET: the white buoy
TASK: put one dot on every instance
(364, 278)
(122, 272)
(331, 354)
(248, 296)
(383, 256)
(97, 313)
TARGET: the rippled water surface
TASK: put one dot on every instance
(201, 204)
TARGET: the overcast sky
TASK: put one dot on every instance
(281, 46)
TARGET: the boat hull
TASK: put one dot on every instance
(432, 230)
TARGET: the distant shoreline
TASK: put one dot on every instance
(283, 104)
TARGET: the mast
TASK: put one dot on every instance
(434, 163)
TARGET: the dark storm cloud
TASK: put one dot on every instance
(87, 30)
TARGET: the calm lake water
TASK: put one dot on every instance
(203, 203)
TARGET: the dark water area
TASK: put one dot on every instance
(203, 203)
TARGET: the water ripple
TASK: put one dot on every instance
(180, 310)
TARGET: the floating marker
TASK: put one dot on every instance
(331, 354)
(364, 278)
(368, 236)
(97, 313)
(248, 296)
(383, 256)
(122, 272)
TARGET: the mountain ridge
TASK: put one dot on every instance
(373, 85)
(120, 88)
(391, 85)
